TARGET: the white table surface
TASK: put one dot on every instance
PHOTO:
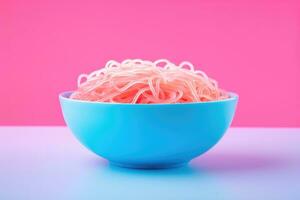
(249, 163)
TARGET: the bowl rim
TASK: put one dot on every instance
(65, 97)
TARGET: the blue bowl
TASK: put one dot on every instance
(148, 135)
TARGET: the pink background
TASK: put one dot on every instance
(252, 48)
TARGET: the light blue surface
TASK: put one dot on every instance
(148, 135)
(48, 163)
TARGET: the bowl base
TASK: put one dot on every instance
(148, 166)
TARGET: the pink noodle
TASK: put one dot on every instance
(139, 81)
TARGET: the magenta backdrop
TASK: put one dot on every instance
(252, 48)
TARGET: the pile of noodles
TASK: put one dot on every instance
(143, 82)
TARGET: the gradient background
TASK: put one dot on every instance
(250, 47)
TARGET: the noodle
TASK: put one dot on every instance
(138, 81)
